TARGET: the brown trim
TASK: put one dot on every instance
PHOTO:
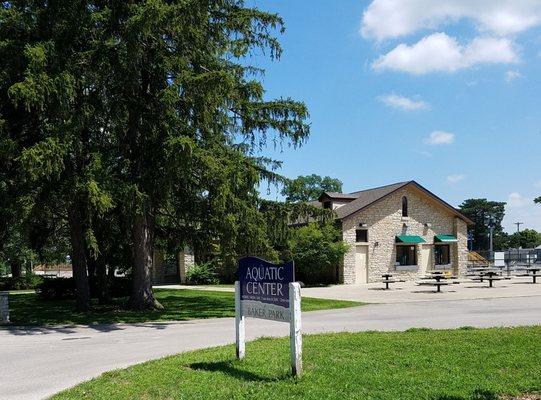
(427, 192)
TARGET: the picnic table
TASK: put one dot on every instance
(490, 276)
(532, 272)
(437, 279)
(388, 278)
(437, 283)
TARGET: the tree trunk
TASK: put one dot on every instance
(78, 260)
(16, 269)
(142, 296)
(104, 294)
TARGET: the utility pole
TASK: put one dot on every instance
(518, 226)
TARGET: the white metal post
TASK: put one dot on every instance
(240, 328)
(295, 328)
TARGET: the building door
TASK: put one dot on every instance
(361, 264)
(426, 259)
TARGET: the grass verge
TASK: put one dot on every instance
(482, 364)
(180, 305)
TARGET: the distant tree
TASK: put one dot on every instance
(526, 239)
(538, 200)
(477, 210)
(309, 187)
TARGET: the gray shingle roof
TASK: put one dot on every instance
(364, 198)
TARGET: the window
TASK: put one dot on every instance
(327, 204)
(361, 235)
(406, 255)
(404, 206)
(442, 253)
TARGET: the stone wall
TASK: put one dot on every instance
(384, 222)
(186, 260)
(4, 308)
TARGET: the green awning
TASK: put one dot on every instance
(409, 239)
(445, 238)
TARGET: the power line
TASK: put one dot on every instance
(518, 226)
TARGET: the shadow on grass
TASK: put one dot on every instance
(476, 395)
(228, 368)
(180, 305)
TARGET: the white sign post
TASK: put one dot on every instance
(295, 328)
(240, 324)
(268, 291)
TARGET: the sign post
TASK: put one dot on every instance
(269, 291)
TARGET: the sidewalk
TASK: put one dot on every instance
(409, 291)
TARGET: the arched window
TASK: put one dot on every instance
(404, 206)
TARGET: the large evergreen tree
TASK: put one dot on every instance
(148, 110)
(478, 210)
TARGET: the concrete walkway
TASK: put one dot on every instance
(38, 362)
(409, 291)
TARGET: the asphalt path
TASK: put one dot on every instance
(38, 362)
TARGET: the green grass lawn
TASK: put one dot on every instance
(27, 309)
(482, 364)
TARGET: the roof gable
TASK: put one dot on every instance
(366, 198)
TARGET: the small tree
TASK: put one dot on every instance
(317, 249)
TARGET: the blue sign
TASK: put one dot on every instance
(264, 288)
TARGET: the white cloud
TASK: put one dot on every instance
(521, 208)
(511, 75)
(423, 153)
(439, 52)
(386, 19)
(402, 102)
(516, 200)
(452, 179)
(440, 137)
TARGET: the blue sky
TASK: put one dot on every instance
(445, 93)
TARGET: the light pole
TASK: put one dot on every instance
(490, 222)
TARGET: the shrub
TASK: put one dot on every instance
(317, 250)
(202, 274)
(56, 288)
(25, 282)
(64, 288)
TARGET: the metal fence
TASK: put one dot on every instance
(508, 261)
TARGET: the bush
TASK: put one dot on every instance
(317, 250)
(56, 289)
(25, 282)
(202, 274)
(64, 288)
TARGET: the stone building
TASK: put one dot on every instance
(171, 271)
(401, 228)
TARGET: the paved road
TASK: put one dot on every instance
(35, 363)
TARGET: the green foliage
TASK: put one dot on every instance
(24, 282)
(538, 200)
(447, 364)
(477, 210)
(118, 112)
(317, 250)
(526, 239)
(310, 187)
(202, 274)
